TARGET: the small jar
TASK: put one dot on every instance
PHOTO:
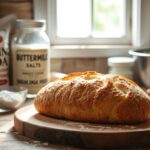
(30, 55)
(122, 66)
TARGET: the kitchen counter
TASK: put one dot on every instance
(10, 139)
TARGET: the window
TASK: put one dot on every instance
(98, 27)
(91, 18)
(91, 22)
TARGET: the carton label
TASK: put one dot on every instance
(4, 61)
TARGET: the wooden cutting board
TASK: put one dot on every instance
(79, 134)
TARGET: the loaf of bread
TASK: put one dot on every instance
(94, 97)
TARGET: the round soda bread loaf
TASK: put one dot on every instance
(94, 97)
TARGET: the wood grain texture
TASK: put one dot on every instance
(55, 64)
(17, 1)
(12, 140)
(23, 10)
(85, 64)
(78, 134)
(101, 65)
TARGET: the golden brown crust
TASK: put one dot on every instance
(94, 97)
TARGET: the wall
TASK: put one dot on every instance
(23, 9)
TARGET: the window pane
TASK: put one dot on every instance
(73, 18)
(91, 18)
(108, 18)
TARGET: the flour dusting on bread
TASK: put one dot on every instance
(94, 97)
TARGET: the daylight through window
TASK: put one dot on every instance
(91, 18)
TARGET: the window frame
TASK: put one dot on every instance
(62, 48)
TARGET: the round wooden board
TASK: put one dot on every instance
(79, 134)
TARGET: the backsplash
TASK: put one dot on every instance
(23, 9)
(68, 65)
